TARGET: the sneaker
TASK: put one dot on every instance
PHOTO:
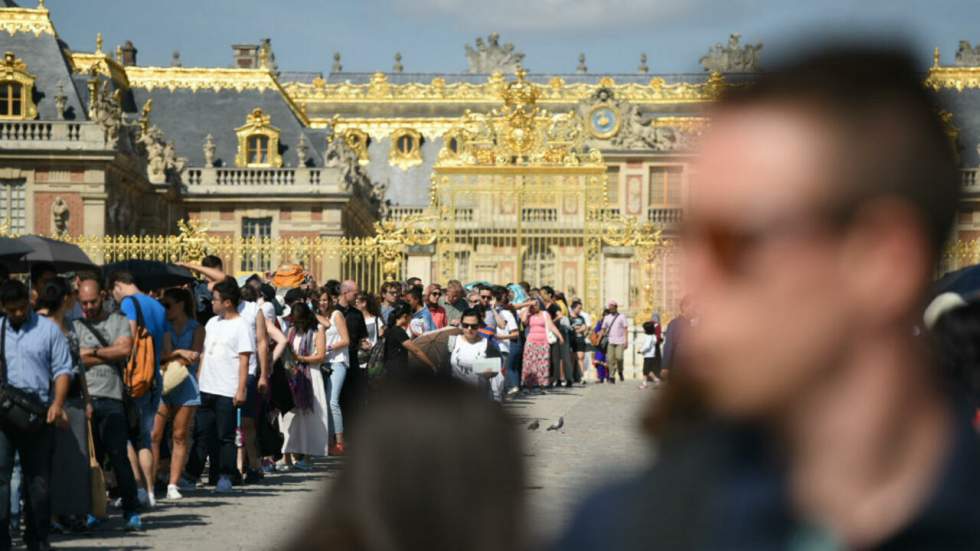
(302, 465)
(134, 522)
(117, 503)
(224, 485)
(513, 390)
(253, 476)
(337, 449)
(91, 521)
(173, 492)
(185, 484)
(643, 386)
(151, 499)
(142, 497)
(269, 468)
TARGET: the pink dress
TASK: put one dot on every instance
(536, 352)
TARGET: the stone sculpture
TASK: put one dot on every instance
(732, 57)
(491, 57)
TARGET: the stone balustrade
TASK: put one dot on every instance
(665, 216)
(288, 181)
(70, 135)
(970, 180)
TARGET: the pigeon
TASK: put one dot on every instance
(534, 425)
(558, 425)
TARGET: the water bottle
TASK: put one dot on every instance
(239, 432)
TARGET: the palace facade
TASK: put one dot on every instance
(92, 143)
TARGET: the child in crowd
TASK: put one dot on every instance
(651, 354)
(599, 363)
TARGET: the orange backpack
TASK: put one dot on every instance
(141, 367)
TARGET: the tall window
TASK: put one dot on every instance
(258, 150)
(256, 259)
(10, 99)
(612, 183)
(538, 263)
(13, 205)
(665, 186)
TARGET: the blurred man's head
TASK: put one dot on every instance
(432, 294)
(454, 290)
(91, 297)
(824, 194)
(14, 302)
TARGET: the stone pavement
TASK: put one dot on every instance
(600, 441)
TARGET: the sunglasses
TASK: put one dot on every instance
(435, 294)
(470, 325)
(485, 297)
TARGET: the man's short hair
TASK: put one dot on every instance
(90, 276)
(212, 261)
(228, 289)
(12, 291)
(294, 295)
(120, 276)
(415, 291)
(454, 285)
(38, 269)
(888, 123)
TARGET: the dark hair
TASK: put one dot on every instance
(51, 295)
(370, 303)
(414, 431)
(12, 291)
(331, 288)
(400, 308)
(956, 344)
(474, 312)
(548, 290)
(302, 317)
(120, 276)
(227, 289)
(268, 292)
(38, 269)
(415, 291)
(183, 296)
(394, 285)
(649, 327)
(415, 279)
(885, 120)
(212, 261)
(249, 294)
(294, 295)
(575, 302)
(500, 293)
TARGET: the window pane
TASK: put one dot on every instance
(612, 183)
(255, 260)
(13, 205)
(658, 186)
(674, 186)
(15, 106)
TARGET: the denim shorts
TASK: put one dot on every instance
(148, 405)
(253, 400)
(186, 394)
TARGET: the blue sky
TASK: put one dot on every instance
(430, 34)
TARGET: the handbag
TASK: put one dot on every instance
(99, 499)
(604, 341)
(280, 396)
(130, 409)
(19, 410)
(174, 373)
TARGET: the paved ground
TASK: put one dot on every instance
(600, 441)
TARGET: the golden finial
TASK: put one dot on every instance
(263, 57)
(40, 4)
(119, 55)
(935, 57)
(98, 43)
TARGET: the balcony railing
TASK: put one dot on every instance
(970, 180)
(206, 181)
(51, 135)
(665, 216)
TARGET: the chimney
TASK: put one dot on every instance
(128, 53)
(246, 55)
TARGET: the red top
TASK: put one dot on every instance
(438, 315)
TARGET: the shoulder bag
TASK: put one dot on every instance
(19, 409)
(130, 409)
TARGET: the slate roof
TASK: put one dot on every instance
(186, 118)
(45, 60)
(965, 107)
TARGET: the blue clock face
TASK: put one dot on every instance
(605, 121)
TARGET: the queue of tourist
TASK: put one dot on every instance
(219, 382)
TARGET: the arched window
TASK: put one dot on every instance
(258, 142)
(258, 149)
(406, 148)
(11, 95)
(16, 89)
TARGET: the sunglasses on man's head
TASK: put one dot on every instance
(470, 325)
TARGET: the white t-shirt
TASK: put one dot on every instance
(336, 355)
(510, 325)
(249, 311)
(463, 357)
(268, 310)
(224, 340)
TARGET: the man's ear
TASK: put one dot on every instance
(886, 265)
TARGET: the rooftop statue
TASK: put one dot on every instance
(491, 57)
(967, 55)
(732, 57)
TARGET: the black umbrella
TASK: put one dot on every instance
(65, 256)
(12, 250)
(152, 274)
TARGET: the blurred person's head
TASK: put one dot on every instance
(471, 323)
(815, 184)
(390, 292)
(576, 307)
(612, 306)
(348, 292)
(15, 301)
(401, 314)
(249, 293)
(91, 296)
(54, 296)
(486, 296)
(212, 261)
(225, 296)
(650, 327)
(432, 295)
(121, 284)
(367, 304)
(39, 274)
(303, 319)
(473, 299)
(413, 296)
(328, 297)
(454, 290)
(501, 295)
(413, 281)
(956, 338)
(179, 304)
(387, 499)
(547, 293)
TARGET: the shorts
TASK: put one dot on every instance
(148, 405)
(253, 400)
(651, 365)
(187, 393)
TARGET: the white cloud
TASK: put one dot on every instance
(559, 15)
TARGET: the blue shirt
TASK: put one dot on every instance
(37, 353)
(154, 319)
(426, 316)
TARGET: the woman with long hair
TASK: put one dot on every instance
(537, 351)
(399, 345)
(371, 310)
(70, 485)
(183, 343)
(305, 427)
(337, 362)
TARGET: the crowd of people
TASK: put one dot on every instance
(221, 381)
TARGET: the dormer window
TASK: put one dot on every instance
(16, 90)
(406, 148)
(258, 142)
